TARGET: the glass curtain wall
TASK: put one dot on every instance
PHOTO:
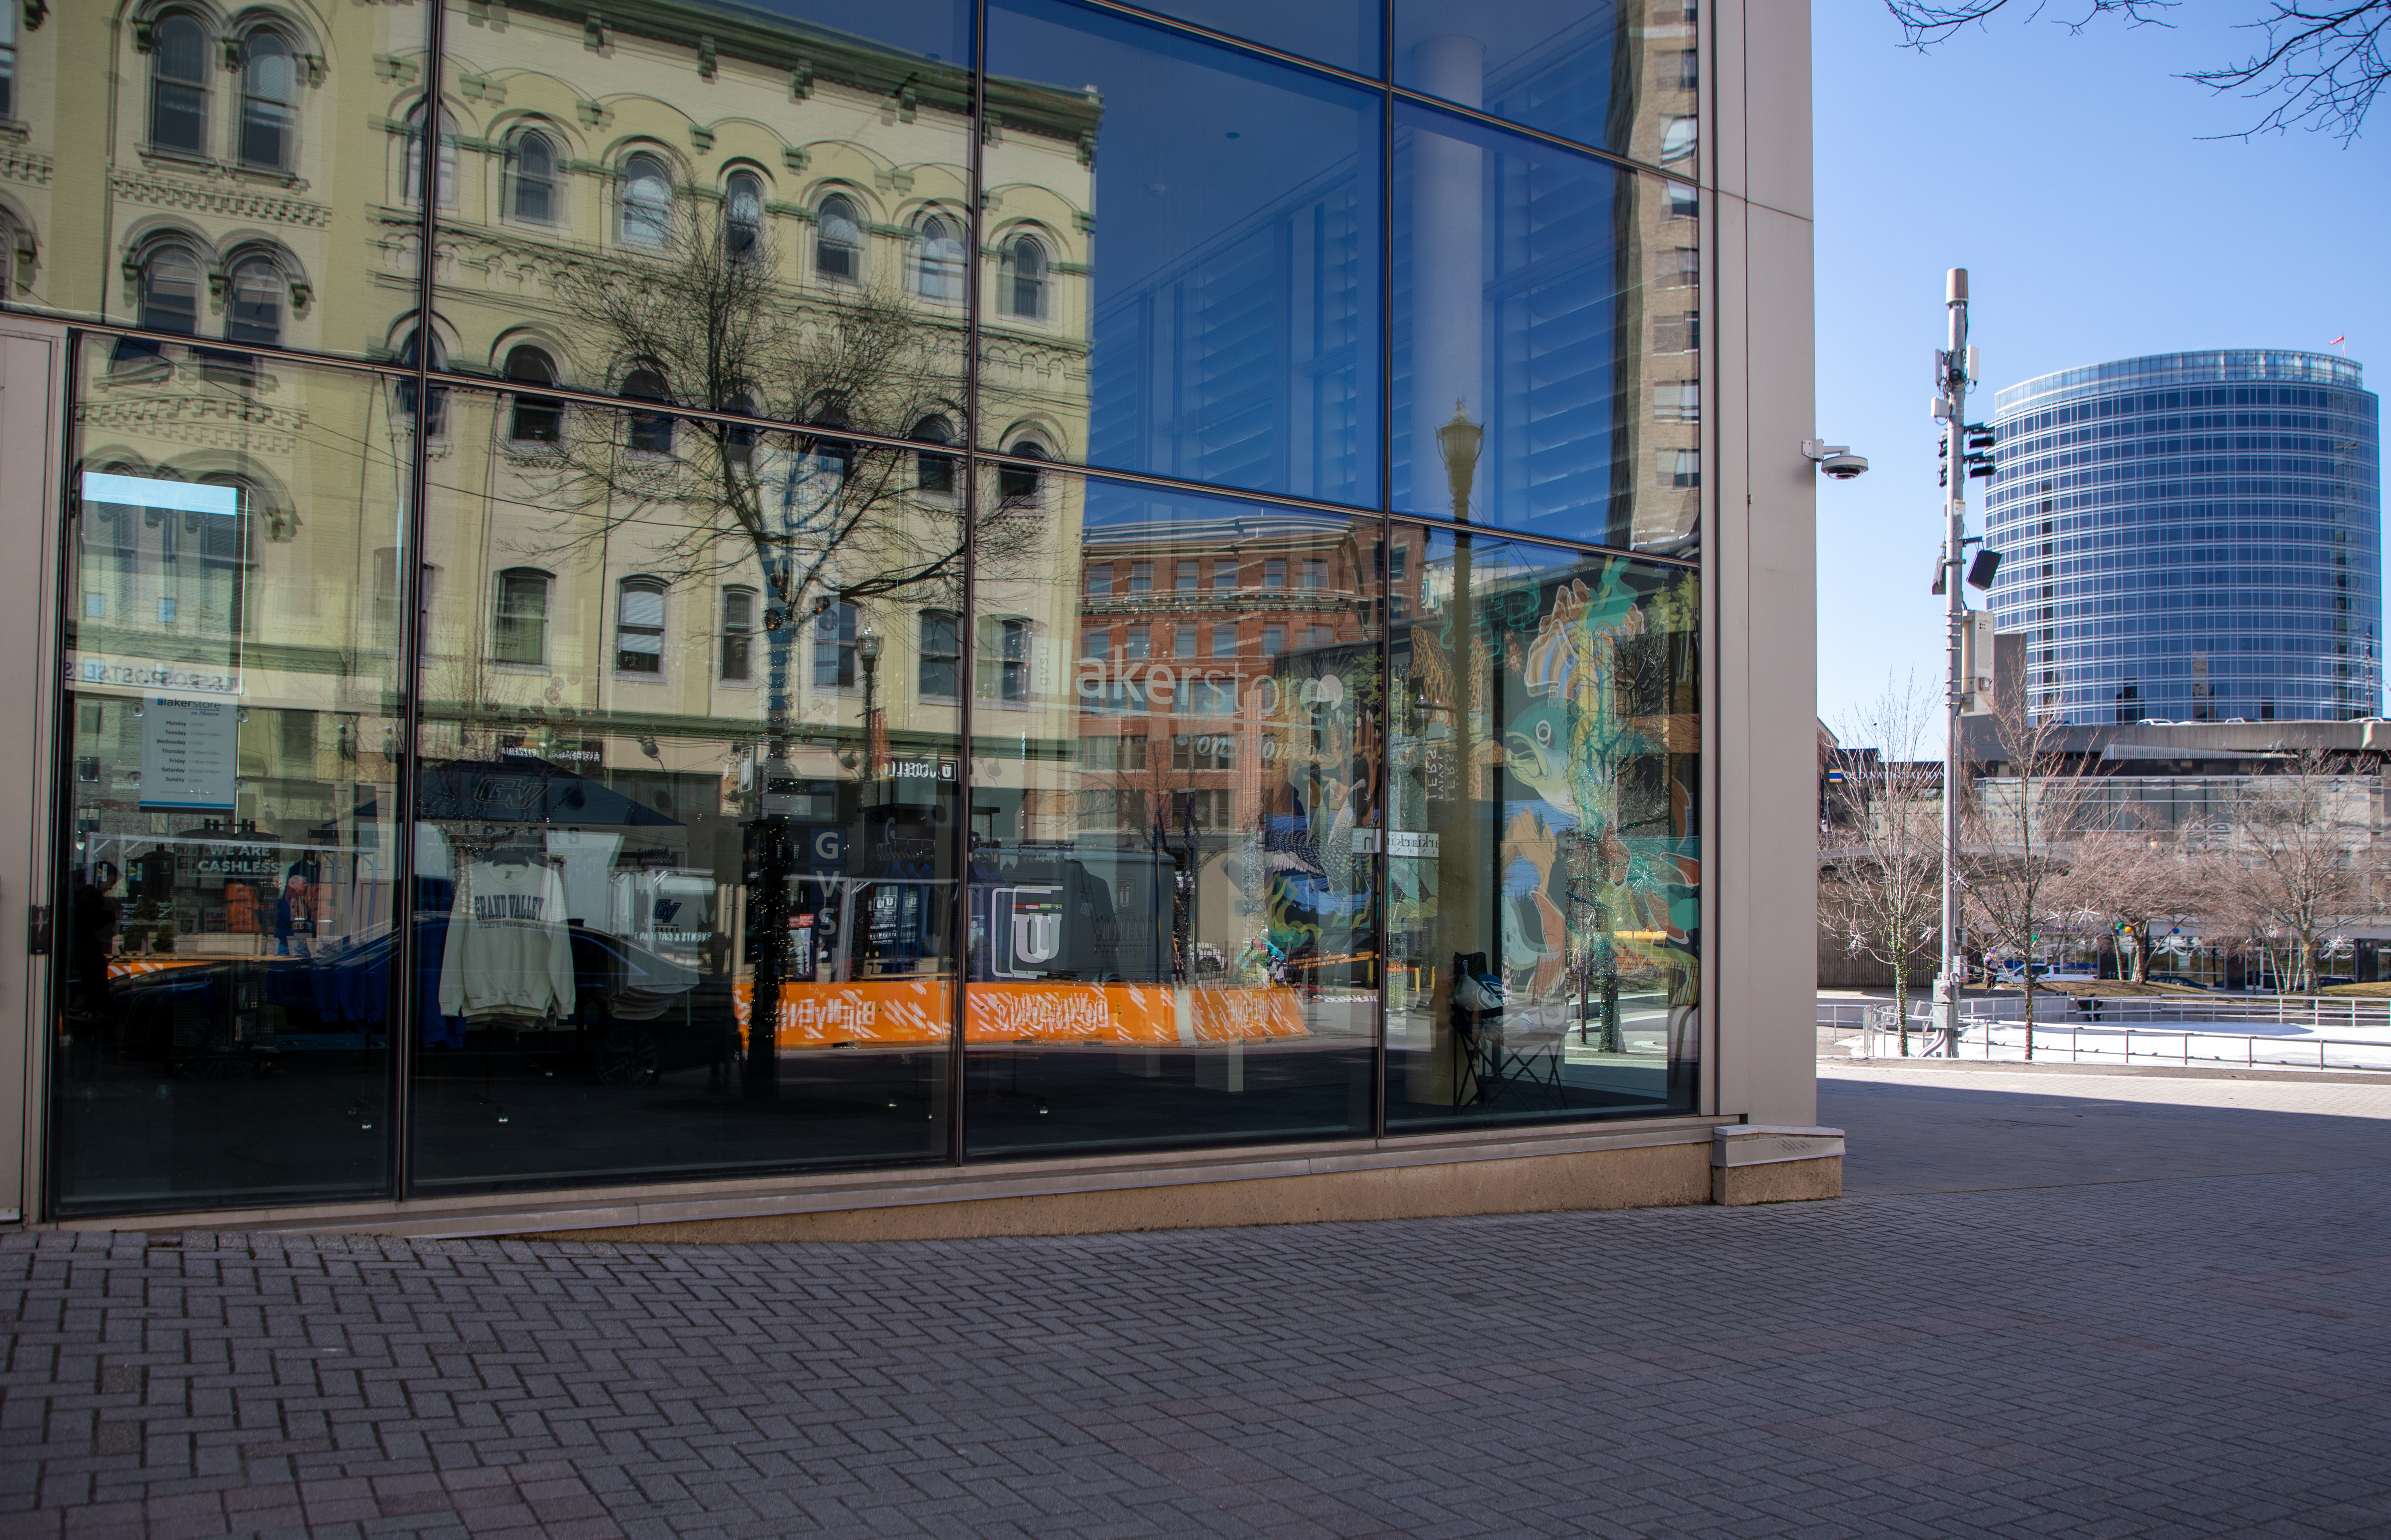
(1174, 783)
(963, 580)
(1544, 845)
(231, 739)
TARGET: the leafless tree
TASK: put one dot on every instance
(2300, 863)
(2133, 879)
(2319, 65)
(704, 323)
(1881, 888)
(2017, 830)
(701, 324)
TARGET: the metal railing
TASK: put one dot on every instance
(1985, 1032)
(2317, 1013)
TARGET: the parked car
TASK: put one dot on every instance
(2184, 978)
(2326, 978)
(638, 1014)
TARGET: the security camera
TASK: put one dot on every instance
(1836, 459)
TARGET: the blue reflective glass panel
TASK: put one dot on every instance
(1343, 32)
(1204, 301)
(1548, 338)
(1618, 74)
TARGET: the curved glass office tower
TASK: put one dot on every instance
(2193, 537)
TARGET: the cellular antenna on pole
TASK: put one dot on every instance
(1954, 371)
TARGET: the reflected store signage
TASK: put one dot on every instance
(99, 671)
(241, 862)
(187, 753)
(1028, 930)
(918, 769)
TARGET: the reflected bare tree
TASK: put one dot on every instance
(780, 484)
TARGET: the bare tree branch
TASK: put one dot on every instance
(1881, 853)
(1927, 22)
(2321, 65)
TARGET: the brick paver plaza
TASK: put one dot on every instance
(1993, 1336)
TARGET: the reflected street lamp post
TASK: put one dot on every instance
(867, 651)
(1458, 441)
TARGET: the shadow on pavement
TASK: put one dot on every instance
(1962, 1136)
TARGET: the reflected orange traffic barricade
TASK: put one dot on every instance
(920, 1013)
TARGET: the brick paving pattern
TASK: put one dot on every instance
(2205, 1356)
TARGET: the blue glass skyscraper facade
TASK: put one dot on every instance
(2193, 537)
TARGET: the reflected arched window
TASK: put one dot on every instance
(435, 421)
(1678, 142)
(934, 473)
(939, 252)
(170, 291)
(1019, 482)
(536, 418)
(533, 164)
(269, 102)
(1026, 291)
(446, 190)
(838, 241)
(640, 626)
(169, 301)
(743, 216)
(647, 202)
(652, 433)
(253, 298)
(738, 660)
(178, 84)
(519, 631)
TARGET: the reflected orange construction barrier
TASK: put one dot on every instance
(133, 967)
(821, 1015)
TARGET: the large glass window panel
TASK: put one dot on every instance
(1543, 854)
(279, 134)
(752, 208)
(1173, 877)
(1207, 223)
(228, 831)
(1621, 75)
(1343, 32)
(684, 895)
(1548, 338)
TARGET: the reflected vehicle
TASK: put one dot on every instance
(638, 1014)
(2185, 980)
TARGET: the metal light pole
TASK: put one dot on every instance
(867, 648)
(1951, 368)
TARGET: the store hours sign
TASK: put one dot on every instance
(189, 753)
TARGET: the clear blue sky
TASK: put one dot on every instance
(2096, 223)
